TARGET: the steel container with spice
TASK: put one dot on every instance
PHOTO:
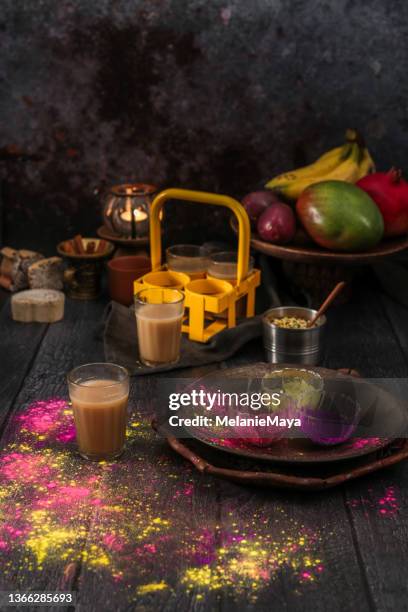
(292, 344)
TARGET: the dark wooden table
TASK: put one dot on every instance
(150, 533)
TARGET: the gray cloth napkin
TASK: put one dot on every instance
(120, 342)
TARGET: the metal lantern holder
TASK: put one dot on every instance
(204, 297)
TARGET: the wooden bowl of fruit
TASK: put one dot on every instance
(303, 250)
(330, 217)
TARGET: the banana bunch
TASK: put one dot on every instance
(349, 162)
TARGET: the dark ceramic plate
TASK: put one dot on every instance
(389, 418)
(315, 254)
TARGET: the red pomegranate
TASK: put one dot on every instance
(389, 191)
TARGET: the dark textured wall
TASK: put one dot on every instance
(211, 94)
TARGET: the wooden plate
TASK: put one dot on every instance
(301, 477)
(315, 254)
(389, 417)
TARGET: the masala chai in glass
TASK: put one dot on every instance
(159, 315)
(99, 394)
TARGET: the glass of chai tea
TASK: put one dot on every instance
(99, 394)
(159, 314)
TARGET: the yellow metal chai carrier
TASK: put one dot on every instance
(205, 298)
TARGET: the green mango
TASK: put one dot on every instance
(340, 216)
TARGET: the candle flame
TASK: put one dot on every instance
(139, 215)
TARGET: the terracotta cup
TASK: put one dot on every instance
(122, 271)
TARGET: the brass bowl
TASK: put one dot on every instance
(82, 278)
(87, 256)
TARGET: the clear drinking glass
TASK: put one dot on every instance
(224, 265)
(159, 314)
(188, 258)
(99, 394)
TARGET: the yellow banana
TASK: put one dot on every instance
(346, 170)
(327, 162)
(367, 165)
(324, 164)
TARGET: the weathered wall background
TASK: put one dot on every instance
(211, 94)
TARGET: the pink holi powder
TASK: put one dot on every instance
(50, 418)
(42, 416)
(113, 542)
(26, 468)
(386, 505)
(150, 548)
(360, 443)
(73, 493)
(64, 496)
(68, 435)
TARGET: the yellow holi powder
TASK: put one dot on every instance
(156, 525)
(249, 564)
(42, 542)
(204, 577)
(152, 587)
(96, 556)
(47, 538)
(160, 521)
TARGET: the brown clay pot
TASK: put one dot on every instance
(122, 272)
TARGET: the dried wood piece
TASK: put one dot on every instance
(68, 247)
(78, 245)
(90, 247)
(101, 246)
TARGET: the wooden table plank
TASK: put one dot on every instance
(4, 297)
(397, 315)
(322, 574)
(19, 344)
(361, 337)
(167, 524)
(377, 506)
(48, 494)
(358, 336)
(310, 557)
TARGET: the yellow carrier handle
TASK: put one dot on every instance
(203, 197)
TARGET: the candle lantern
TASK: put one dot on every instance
(126, 209)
